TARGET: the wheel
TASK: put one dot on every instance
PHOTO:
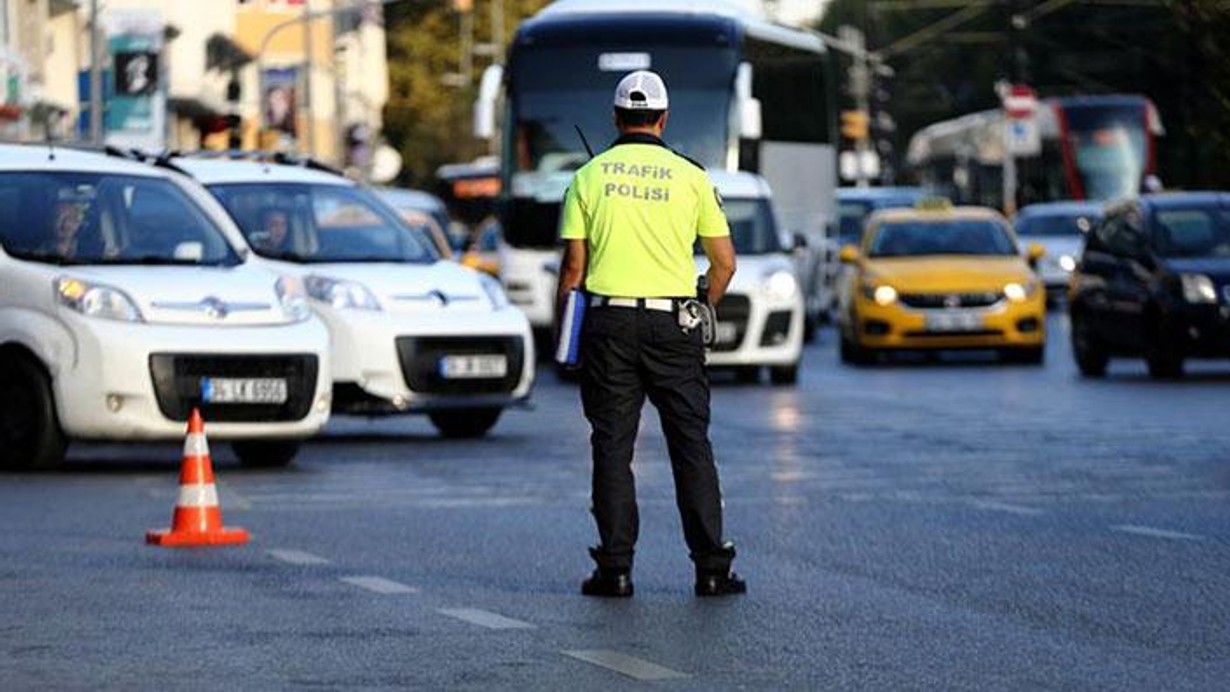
(465, 422)
(1091, 357)
(784, 374)
(810, 325)
(853, 354)
(1030, 355)
(30, 435)
(265, 453)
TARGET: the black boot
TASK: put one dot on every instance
(608, 583)
(725, 583)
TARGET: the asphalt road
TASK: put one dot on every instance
(952, 524)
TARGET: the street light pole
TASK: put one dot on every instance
(96, 97)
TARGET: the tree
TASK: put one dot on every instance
(1173, 52)
(428, 116)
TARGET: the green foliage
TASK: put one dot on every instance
(426, 119)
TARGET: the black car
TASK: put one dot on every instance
(1154, 281)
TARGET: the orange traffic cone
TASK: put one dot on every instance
(197, 519)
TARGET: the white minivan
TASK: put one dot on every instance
(760, 321)
(126, 300)
(411, 331)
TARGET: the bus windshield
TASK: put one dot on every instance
(557, 90)
(1108, 145)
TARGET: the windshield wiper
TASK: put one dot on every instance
(362, 260)
(45, 257)
(284, 255)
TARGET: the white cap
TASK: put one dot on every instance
(641, 90)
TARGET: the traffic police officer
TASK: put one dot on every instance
(630, 221)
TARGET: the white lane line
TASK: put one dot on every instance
(626, 665)
(483, 618)
(297, 557)
(380, 585)
(1156, 533)
(1011, 509)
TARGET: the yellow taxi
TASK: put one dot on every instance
(940, 277)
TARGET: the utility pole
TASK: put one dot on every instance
(96, 96)
(860, 89)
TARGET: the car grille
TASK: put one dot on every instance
(177, 385)
(941, 301)
(734, 309)
(776, 328)
(420, 363)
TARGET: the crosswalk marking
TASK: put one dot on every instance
(1155, 533)
(380, 585)
(297, 557)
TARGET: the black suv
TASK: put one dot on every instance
(1154, 281)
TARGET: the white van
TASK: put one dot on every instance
(127, 300)
(411, 332)
(760, 320)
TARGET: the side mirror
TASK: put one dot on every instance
(1034, 253)
(848, 254)
(484, 106)
(750, 123)
(798, 241)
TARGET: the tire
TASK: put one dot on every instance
(1091, 357)
(465, 423)
(1164, 362)
(810, 325)
(853, 354)
(1031, 355)
(265, 454)
(784, 374)
(30, 435)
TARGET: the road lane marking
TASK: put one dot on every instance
(1004, 507)
(626, 665)
(380, 585)
(297, 557)
(483, 618)
(1156, 533)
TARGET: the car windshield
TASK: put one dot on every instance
(949, 237)
(1055, 225)
(752, 227)
(100, 218)
(1195, 232)
(321, 223)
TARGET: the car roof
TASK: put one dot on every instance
(860, 194)
(1179, 200)
(740, 185)
(1063, 208)
(43, 157)
(214, 171)
(402, 197)
(936, 215)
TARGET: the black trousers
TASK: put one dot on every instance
(628, 354)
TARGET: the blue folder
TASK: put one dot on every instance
(568, 351)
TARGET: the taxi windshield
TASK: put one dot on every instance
(309, 223)
(945, 237)
(100, 218)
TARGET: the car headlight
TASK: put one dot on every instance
(1198, 288)
(293, 298)
(1067, 263)
(882, 295)
(1017, 292)
(495, 292)
(341, 294)
(96, 300)
(781, 285)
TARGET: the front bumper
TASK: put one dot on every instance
(1002, 325)
(754, 331)
(140, 381)
(389, 363)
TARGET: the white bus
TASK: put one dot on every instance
(746, 95)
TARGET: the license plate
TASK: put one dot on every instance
(725, 332)
(256, 390)
(955, 321)
(473, 367)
